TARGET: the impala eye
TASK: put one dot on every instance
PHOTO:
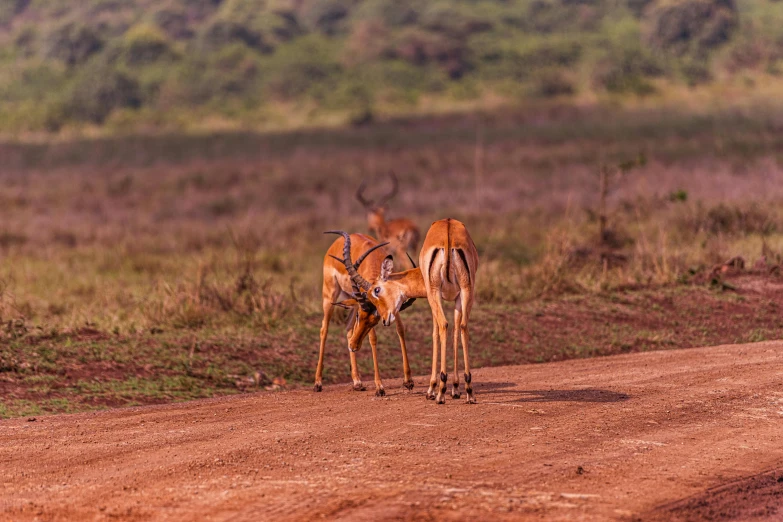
(377, 290)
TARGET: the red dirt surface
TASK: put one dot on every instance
(670, 435)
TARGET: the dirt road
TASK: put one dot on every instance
(663, 435)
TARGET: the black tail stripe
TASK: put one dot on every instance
(432, 260)
(465, 262)
(447, 250)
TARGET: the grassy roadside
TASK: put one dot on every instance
(85, 369)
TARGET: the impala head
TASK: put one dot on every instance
(367, 315)
(387, 294)
(360, 321)
(376, 209)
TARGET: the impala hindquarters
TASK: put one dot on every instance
(448, 263)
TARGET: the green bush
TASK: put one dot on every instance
(393, 14)
(691, 26)
(550, 83)
(220, 33)
(174, 21)
(99, 90)
(145, 44)
(295, 69)
(326, 16)
(72, 43)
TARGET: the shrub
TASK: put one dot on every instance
(220, 33)
(326, 16)
(691, 26)
(420, 48)
(10, 8)
(174, 21)
(99, 90)
(144, 44)
(626, 70)
(72, 43)
(26, 41)
(550, 83)
(393, 14)
(299, 66)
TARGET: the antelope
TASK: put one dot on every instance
(402, 233)
(448, 262)
(345, 285)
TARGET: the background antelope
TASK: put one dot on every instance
(402, 234)
(345, 284)
(448, 262)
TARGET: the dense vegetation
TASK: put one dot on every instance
(184, 64)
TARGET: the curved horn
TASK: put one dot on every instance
(356, 278)
(410, 259)
(370, 251)
(360, 195)
(407, 304)
(395, 186)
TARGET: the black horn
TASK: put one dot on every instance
(360, 195)
(395, 186)
(358, 281)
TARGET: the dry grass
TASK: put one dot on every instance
(161, 241)
(225, 248)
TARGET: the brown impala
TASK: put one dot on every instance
(447, 270)
(402, 233)
(345, 285)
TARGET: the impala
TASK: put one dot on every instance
(448, 262)
(344, 285)
(402, 234)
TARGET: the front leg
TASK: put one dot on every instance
(406, 369)
(379, 391)
(357, 381)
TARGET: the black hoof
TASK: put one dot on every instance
(380, 392)
(318, 388)
(408, 385)
(359, 387)
(455, 395)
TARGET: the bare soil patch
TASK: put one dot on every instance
(614, 438)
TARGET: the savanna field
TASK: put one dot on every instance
(143, 270)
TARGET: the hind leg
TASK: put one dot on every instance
(467, 303)
(457, 322)
(435, 345)
(442, 326)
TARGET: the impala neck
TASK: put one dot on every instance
(412, 283)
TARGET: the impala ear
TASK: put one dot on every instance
(387, 267)
(347, 303)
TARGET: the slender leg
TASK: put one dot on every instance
(379, 391)
(442, 326)
(435, 345)
(357, 381)
(457, 330)
(467, 304)
(406, 369)
(328, 309)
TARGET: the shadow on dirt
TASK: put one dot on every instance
(587, 395)
(758, 497)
